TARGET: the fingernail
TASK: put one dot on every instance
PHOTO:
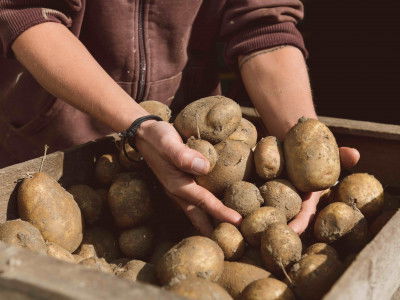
(199, 165)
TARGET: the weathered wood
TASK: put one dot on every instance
(29, 275)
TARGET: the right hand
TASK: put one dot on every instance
(174, 164)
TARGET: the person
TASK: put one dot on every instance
(75, 70)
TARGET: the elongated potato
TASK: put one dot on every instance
(204, 148)
(246, 133)
(267, 289)
(244, 197)
(22, 234)
(311, 156)
(157, 108)
(362, 190)
(43, 202)
(235, 163)
(280, 193)
(137, 242)
(231, 241)
(269, 158)
(215, 117)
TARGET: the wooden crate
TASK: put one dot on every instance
(375, 273)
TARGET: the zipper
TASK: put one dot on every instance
(142, 54)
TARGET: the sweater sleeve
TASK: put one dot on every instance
(252, 25)
(16, 16)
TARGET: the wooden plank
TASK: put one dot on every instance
(375, 273)
(30, 275)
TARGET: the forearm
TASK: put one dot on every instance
(64, 67)
(278, 85)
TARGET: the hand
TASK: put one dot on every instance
(348, 159)
(173, 163)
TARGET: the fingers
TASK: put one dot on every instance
(349, 157)
(308, 208)
(188, 160)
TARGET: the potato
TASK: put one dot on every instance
(130, 201)
(22, 234)
(198, 289)
(246, 133)
(267, 289)
(322, 248)
(314, 275)
(85, 251)
(137, 242)
(254, 224)
(131, 160)
(235, 163)
(236, 276)
(215, 118)
(280, 193)
(362, 190)
(244, 197)
(204, 148)
(231, 241)
(194, 256)
(45, 204)
(98, 264)
(103, 241)
(160, 250)
(60, 253)
(137, 270)
(252, 256)
(268, 158)
(311, 156)
(89, 201)
(157, 108)
(106, 168)
(357, 237)
(280, 247)
(379, 222)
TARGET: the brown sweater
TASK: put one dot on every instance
(150, 48)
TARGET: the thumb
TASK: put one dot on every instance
(188, 160)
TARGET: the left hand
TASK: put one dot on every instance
(348, 159)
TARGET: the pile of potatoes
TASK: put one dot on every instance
(124, 224)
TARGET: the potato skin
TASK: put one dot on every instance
(280, 247)
(89, 201)
(246, 133)
(216, 117)
(362, 190)
(60, 253)
(322, 248)
(235, 163)
(311, 156)
(137, 242)
(194, 256)
(130, 200)
(254, 224)
(231, 241)
(314, 275)
(22, 234)
(268, 157)
(85, 251)
(43, 202)
(236, 276)
(157, 108)
(106, 168)
(103, 241)
(280, 193)
(98, 264)
(204, 148)
(198, 289)
(244, 197)
(137, 270)
(267, 289)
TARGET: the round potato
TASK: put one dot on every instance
(246, 133)
(311, 156)
(280, 247)
(22, 234)
(362, 190)
(280, 193)
(130, 200)
(236, 276)
(267, 289)
(198, 289)
(60, 253)
(258, 221)
(98, 264)
(204, 148)
(231, 241)
(160, 250)
(314, 275)
(106, 168)
(44, 203)
(268, 158)
(103, 241)
(157, 108)
(89, 201)
(322, 248)
(194, 256)
(214, 117)
(137, 242)
(235, 163)
(137, 270)
(244, 197)
(357, 237)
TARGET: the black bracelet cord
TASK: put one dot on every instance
(129, 134)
